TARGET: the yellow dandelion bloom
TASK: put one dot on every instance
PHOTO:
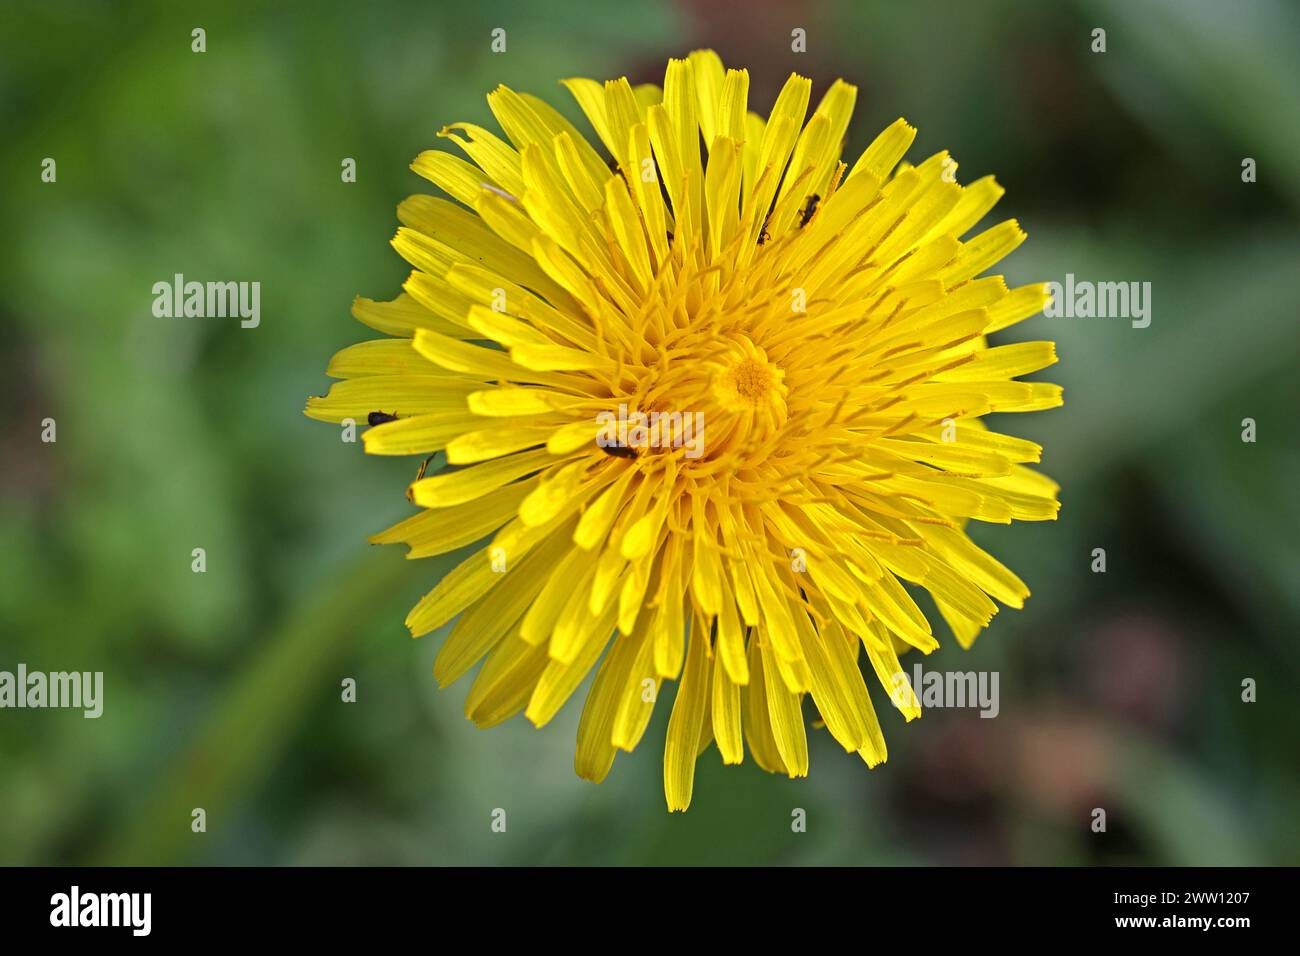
(705, 405)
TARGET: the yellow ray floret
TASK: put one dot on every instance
(711, 407)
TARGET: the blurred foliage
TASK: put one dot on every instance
(222, 689)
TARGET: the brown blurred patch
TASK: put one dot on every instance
(947, 799)
(29, 475)
(1137, 669)
(1060, 763)
(757, 36)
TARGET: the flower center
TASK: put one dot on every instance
(749, 393)
(751, 380)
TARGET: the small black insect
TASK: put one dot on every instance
(809, 209)
(619, 451)
(379, 418)
(765, 235)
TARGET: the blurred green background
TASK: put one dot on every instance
(1118, 690)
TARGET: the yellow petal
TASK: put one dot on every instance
(685, 725)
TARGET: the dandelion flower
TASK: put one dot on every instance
(822, 322)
